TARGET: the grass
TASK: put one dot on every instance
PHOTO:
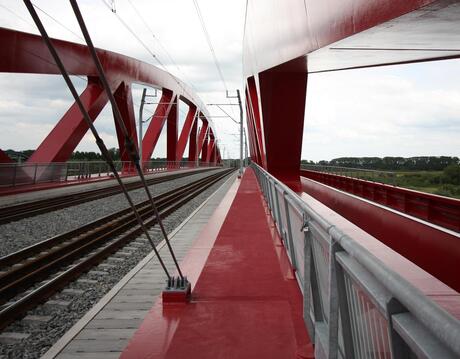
(424, 181)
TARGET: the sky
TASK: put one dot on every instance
(406, 110)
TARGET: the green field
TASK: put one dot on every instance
(436, 182)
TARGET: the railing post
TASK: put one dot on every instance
(35, 173)
(289, 239)
(399, 349)
(15, 174)
(335, 296)
(310, 286)
(343, 304)
(66, 171)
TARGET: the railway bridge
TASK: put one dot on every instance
(276, 261)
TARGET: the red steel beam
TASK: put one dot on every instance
(153, 132)
(255, 116)
(185, 132)
(204, 150)
(124, 99)
(202, 143)
(438, 210)
(192, 143)
(435, 250)
(69, 131)
(210, 149)
(172, 132)
(282, 95)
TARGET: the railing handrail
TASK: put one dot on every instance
(25, 164)
(345, 169)
(438, 321)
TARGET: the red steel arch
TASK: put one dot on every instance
(26, 53)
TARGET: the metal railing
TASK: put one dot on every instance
(17, 174)
(386, 177)
(354, 305)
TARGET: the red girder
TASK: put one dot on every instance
(192, 143)
(26, 53)
(156, 124)
(68, 132)
(124, 99)
(186, 131)
(442, 211)
(202, 142)
(172, 131)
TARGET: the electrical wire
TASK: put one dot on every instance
(170, 58)
(18, 16)
(58, 22)
(211, 47)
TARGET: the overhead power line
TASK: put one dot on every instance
(211, 47)
(208, 40)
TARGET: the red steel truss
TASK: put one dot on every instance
(26, 53)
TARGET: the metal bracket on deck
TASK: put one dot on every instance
(178, 290)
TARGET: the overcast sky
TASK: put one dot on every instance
(408, 110)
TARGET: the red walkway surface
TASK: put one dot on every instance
(246, 302)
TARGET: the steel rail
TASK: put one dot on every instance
(36, 248)
(57, 251)
(171, 202)
(29, 209)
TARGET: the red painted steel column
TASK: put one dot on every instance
(204, 150)
(153, 132)
(172, 132)
(68, 132)
(210, 150)
(282, 96)
(253, 140)
(258, 130)
(192, 144)
(190, 120)
(201, 145)
(124, 99)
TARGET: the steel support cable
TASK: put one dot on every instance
(133, 152)
(99, 141)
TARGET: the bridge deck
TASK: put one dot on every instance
(246, 302)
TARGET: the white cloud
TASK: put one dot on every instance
(383, 112)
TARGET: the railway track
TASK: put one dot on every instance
(30, 276)
(29, 209)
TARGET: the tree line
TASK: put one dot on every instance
(421, 163)
(80, 156)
